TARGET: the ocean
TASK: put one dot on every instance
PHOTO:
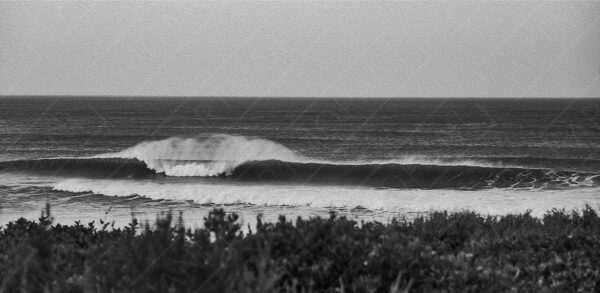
(111, 158)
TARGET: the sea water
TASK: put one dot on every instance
(112, 158)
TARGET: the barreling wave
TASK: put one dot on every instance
(225, 157)
(388, 175)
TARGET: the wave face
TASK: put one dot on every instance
(227, 158)
(84, 167)
(412, 176)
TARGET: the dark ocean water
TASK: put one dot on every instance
(107, 157)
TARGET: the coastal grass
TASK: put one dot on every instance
(439, 252)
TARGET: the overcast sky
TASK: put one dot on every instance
(515, 49)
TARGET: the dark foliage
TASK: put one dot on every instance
(442, 252)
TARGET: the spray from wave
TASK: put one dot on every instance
(217, 155)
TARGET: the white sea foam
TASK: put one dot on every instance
(490, 201)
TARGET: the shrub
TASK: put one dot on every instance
(440, 252)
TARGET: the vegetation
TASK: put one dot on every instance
(442, 252)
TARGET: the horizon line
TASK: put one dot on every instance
(289, 97)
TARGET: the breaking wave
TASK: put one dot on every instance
(212, 156)
(225, 157)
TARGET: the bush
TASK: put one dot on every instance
(441, 252)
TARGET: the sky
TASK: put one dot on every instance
(310, 49)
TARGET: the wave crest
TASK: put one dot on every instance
(216, 155)
(221, 154)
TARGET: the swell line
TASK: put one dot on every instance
(388, 175)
